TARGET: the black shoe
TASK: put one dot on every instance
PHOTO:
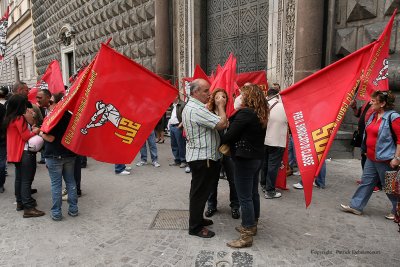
(79, 193)
(1, 189)
(204, 233)
(33, 191)
(42, 161)
(210, 212)
(83, 165)
(235, 213)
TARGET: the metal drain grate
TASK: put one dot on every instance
(171, 220)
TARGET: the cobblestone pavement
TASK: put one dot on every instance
(116, 212)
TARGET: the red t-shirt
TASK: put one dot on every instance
(372, 133)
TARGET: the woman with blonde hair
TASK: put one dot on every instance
(245, 136)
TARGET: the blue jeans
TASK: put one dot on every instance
(178, 144)
(320, 179)
(272, 163)
(151, 140)
(292, 153)
(246, 181)
(3, 160)
(373, 172)
(59, 168)
(119, 168)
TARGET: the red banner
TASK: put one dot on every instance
(255, 77)
(3, 32)
(315, 108)
(282, 173)
(118, 106)
(51, 80)
(376, 73)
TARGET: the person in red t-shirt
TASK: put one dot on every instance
(381, 145)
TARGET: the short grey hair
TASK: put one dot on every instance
(194, 86)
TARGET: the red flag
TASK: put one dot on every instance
(3, 32)
(225, 79)
(69, 101)
(256, 77)
(200, 74)
(118, 106)
(376, 73)
(51, 80)
(315, 108)
(282, 174)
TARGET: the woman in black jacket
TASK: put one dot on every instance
(245, 137)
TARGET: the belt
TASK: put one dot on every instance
(174, 125)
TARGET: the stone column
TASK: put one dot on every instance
(309, 38)
(162, 39)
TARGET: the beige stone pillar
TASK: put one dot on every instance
(162, 39)
(309, 38)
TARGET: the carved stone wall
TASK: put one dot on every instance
(359, 22)
(240, 27)
(130, 23)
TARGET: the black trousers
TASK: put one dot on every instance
(204, 175)
(24, 173)
(78, 172)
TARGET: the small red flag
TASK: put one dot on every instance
(376, 72)
(255, 77)
(200, 74)
(51, 80)
(118, 106)
(225, 79)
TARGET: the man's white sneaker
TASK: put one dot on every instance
(298, 186)
(272, 195)
(64, 192)
(65, 197)
(141, 163)
(156, 164)
(187, 169)
(128, 168)
(124, 173)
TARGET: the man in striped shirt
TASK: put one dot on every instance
(202, 153)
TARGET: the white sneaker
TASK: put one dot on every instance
(141, 163)
(296, 173)
(64, 192)
(272, 195)
(65, 197)
(128, 168)
(187, 169)
(298, 186)
(124, 173)
(156, 164)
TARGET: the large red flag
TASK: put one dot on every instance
(118, 107)
(225, 79)
(51, 80)
(3, 32)
(255, 77)
(376, 72)
(315, 108)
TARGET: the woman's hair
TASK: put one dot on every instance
(385, 97)
(16, 107)
(211, 102)
(253, 97)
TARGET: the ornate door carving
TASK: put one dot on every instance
(241, 27)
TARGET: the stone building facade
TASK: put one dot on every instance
(18, 63)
